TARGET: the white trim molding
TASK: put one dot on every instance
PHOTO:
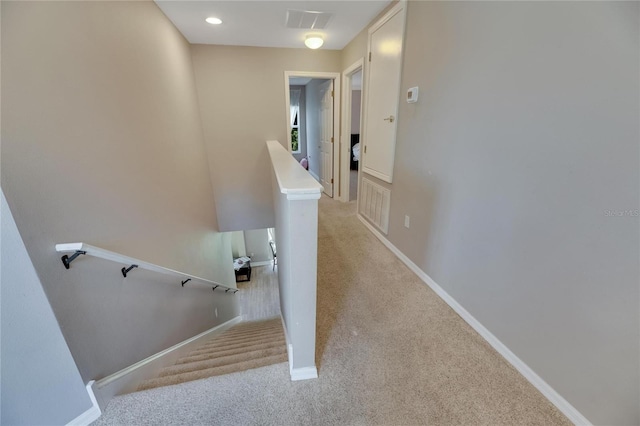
(551, 394)
(304, 373)
(92, 414)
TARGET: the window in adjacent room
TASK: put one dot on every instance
(295, 120)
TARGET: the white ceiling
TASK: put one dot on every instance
(262, 22)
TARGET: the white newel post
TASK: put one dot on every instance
(295, 197)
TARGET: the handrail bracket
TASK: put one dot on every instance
(126, 270)
(66, 260)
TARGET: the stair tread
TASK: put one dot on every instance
(226, 336)
(213, 353)
(227, 342)
(221, 360)
(215, 371)
(260, 326)
(257, 325)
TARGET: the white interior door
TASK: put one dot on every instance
(383, 93)
(326, 136)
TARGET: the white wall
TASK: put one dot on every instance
(524, 139)
(102, 143)
(241, 91)
(238, 247)
(296, 196)
(257, 243)
(40, 382)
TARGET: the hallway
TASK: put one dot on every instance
(389, 351)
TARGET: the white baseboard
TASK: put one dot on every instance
(92, 414)
(296, 374)
(304, 373)
(128, 379)
(262, 263)
(554, 397)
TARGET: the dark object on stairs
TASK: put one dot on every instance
(355, 138)
(243, 347)
(272, 244)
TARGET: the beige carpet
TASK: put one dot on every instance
(389, 352)
(243, 347)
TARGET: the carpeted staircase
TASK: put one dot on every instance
(243, 347)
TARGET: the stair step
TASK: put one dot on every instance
(215, 371)
(249, 324)
(244, 330)
(221, 361)
(224, 342)
(230, 351)
(256, 325)
(242, 347)
(227, 335)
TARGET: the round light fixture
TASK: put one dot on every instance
(213, 20)
(313, 41)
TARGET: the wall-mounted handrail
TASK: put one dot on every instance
(85, 249)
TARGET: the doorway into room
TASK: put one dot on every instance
(351, 126)
(312, 113)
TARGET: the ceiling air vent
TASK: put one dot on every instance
(307, 20)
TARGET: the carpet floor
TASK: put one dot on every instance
(389, 352)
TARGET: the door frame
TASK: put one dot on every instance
(345, 139)
(335, 76)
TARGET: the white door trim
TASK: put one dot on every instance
(345, 136)
(335, 76)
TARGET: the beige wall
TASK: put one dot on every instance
(356, 99)
(356, 49)
(241, 91)
(102, 143)
(525, 136)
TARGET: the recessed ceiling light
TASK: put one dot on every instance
(213, 20)
(313, 41)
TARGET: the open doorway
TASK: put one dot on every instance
(351, 121)
(312, 117)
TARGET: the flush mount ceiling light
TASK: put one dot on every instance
(213, 20)
(313, 41)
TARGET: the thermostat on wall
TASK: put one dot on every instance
(412, 95)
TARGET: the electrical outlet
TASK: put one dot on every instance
(216, 312)
(407, 221)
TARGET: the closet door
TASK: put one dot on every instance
(383, 93)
